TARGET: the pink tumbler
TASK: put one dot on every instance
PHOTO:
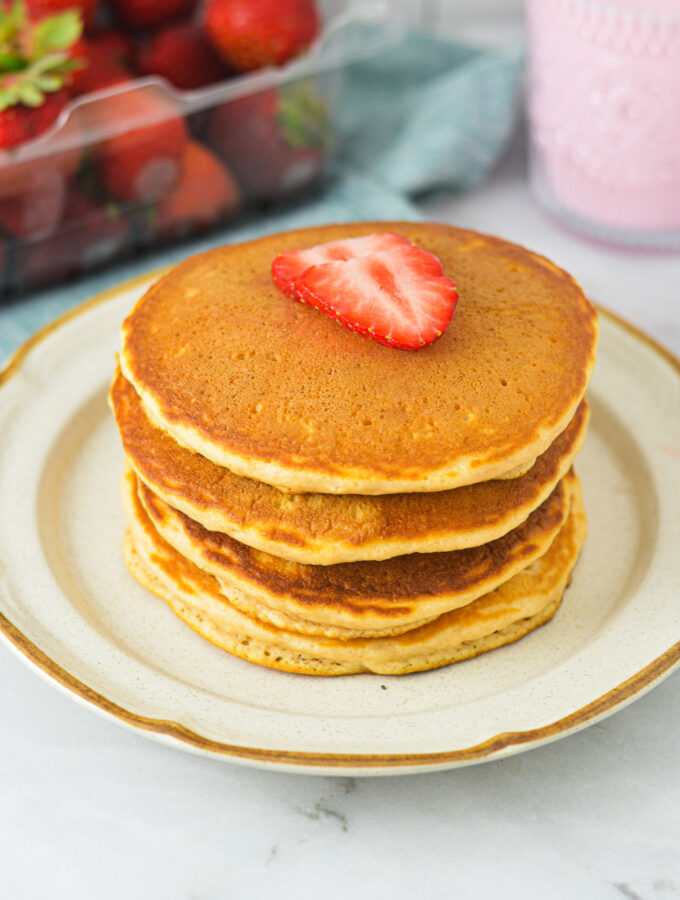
(604, 113)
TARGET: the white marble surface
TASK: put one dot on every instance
(88, 809)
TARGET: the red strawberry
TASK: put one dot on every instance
(40, 9)
(205, 193)
(35, 65)
(288, 267)
(15, 126)
(22, 123)
(88, 236)
(251, 135)
(112, 44)
(100, 73)
(79, 53)
(103, 60)
(139, 158)
(23, 180)
(44, 116)
(142, 14)
(183, 55)
(97, 232)
(37, 209)
(398, 296)
(250, 34)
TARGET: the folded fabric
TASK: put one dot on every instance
(428, 113)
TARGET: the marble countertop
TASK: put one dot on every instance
(89, 809)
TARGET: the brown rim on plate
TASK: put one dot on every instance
(636, 684)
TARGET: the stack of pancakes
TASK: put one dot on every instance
(313, 501)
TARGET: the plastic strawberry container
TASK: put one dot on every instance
(141, 164)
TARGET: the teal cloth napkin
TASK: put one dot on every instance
(428, 114)
(423, 115)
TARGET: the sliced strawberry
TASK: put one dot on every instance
(288, 268)
(397, 296)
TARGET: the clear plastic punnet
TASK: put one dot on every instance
(142, 163)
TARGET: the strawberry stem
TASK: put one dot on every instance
(34, 56)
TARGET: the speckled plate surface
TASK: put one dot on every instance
(70, 609)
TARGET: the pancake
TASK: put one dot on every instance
(323, 529)
(518, 606)
(366, 597)
(278, 392)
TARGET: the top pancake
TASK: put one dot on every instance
(278, 392)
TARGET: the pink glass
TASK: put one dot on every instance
(604, 111)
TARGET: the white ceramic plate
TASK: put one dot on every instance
(69, 607)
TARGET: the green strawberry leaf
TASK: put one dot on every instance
(57, 32)
(10, 61)
(48, 83)
(18, 12)
(7, 99)
(303, 117)
(52, 63)
(12, 20)
(29, 94)
(30, 85)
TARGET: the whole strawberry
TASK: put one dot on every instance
(89, 234)
(39, 119)
(78, 52)
(114, 44)
(19, 123)
(183, 55)
(98, 76)
(205, 193)
(138, 15)
(275, 142)
(251, 34)
(143, 140)
(35, 63)
(105, 60)
(35, 211)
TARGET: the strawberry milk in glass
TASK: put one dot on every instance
(604, 113)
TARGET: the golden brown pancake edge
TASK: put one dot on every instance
(275, 391)
(364, 595)
(324, 529)
(502, 616)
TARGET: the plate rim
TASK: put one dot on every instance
(504, 743)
